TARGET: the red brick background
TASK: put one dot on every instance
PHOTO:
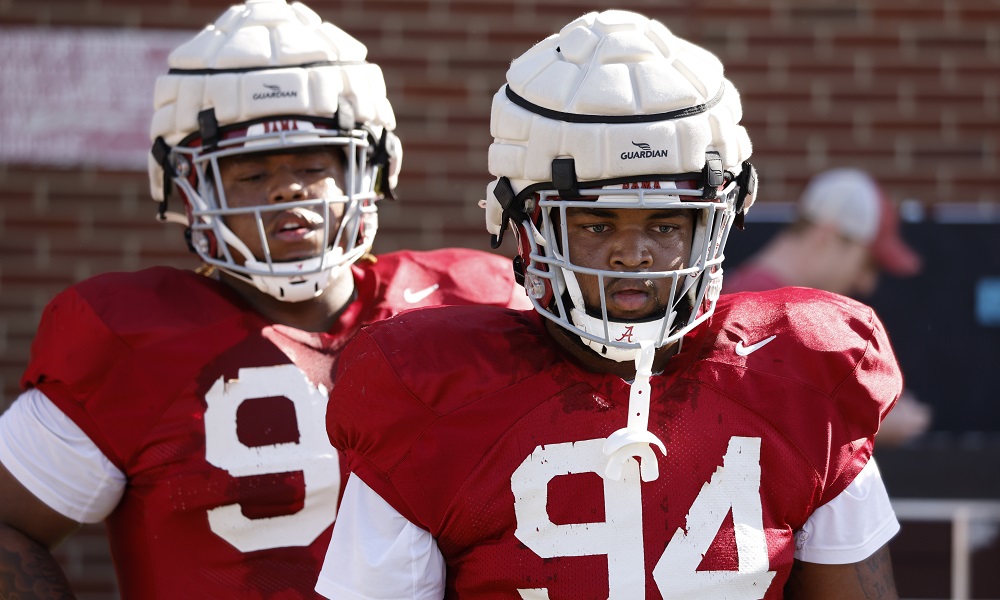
(906, 88)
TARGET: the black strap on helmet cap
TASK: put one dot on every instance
(381, 157)
(161, 154)
(503, 191)
(208, 127)
(380, 152)
(713, 175)
(747, 182)
(564, 178)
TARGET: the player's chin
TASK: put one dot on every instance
(295, 252)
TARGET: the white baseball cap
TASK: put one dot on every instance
(851, 200)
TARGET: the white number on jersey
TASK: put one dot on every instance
(312, 455)
(734, 486)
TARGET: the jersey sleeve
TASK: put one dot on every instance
(825, 380)
(449, 276)
(476, 277)
(373, 418)
(862, 401)
(95, 376)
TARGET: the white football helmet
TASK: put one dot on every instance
(267, 76)
(617, 110)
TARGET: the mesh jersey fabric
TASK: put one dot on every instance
(486, 436)
(215, 415)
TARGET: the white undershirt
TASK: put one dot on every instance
(374, 543)
(56, 461)
(852, 526)
(377, 554)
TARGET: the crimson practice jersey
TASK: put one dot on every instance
(216, 416)
(472, 424)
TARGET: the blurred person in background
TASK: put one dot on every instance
(846, 235)
(186, 409)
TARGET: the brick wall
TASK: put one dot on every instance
(906, 88)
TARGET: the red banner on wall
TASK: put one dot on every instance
(80, 97)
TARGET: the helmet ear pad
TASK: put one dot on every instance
(178, 167)
(523, 259)
(204, 239)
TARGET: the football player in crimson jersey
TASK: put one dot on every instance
(187, 409)
(635, 436)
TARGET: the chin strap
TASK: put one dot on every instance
(636, 439)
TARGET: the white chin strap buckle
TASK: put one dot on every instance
(636, 439)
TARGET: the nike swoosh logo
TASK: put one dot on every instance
(742, 350)
(414, 297)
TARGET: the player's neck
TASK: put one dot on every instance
(316, 314)
(591, 361)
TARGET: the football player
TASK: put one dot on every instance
(635, 436)
(187, 409)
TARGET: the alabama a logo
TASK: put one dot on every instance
(626, 336)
